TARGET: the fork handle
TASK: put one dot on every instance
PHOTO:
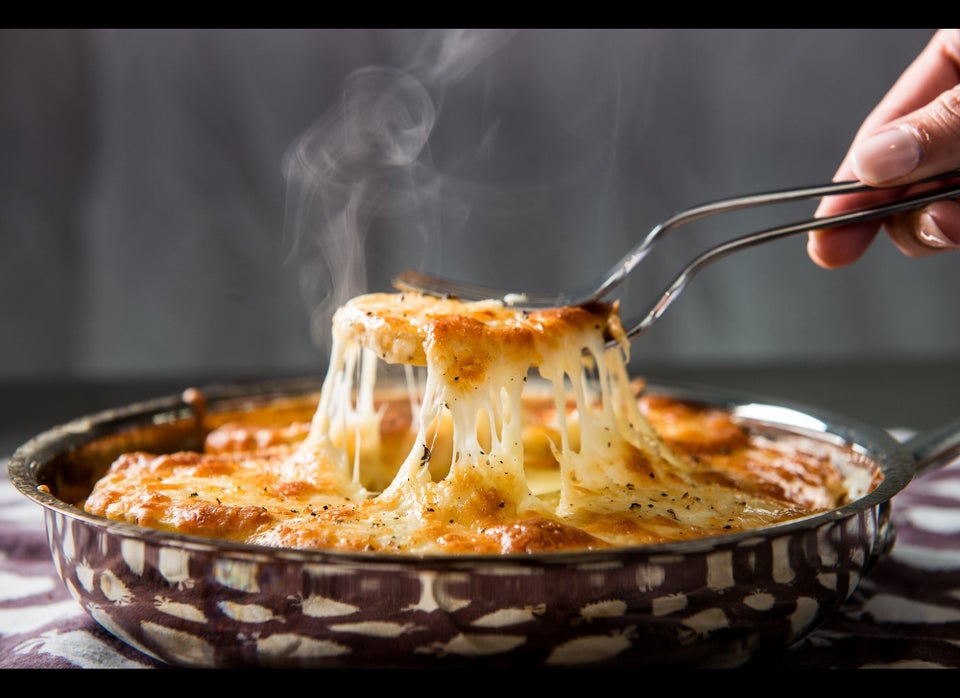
(738, 203)
(730, 246)
(780, 196)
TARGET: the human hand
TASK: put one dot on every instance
(913, 133)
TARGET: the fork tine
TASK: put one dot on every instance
(436, 286)
(448, 288)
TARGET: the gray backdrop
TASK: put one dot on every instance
(196, 201)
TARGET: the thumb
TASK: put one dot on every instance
(920, 144)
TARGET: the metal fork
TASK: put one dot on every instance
(433, 285)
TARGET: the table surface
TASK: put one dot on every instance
(904, 614)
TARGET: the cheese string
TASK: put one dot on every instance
(587, 378)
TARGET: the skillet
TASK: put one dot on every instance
(712, 602)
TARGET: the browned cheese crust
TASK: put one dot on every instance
(404, 328)
(480, 460)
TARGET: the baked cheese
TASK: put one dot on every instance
(511, 431)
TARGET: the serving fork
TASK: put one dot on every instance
(438, 286)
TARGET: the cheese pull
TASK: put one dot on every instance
(511, 432)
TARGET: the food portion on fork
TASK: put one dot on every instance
(443, 287)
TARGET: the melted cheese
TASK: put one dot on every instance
(517, 432)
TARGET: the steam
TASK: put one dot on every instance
(367, 162)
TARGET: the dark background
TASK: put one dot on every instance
(188, 205)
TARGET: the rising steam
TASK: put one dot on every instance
(367, 161)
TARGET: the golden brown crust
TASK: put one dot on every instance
(476, 459)
(403, 328)
(295, 513)
(539, 534)
(245, 437)
(692, 428)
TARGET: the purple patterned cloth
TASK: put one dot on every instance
(906, 612)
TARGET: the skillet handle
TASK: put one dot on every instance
(935, 449)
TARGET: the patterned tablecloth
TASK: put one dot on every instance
(905, 613)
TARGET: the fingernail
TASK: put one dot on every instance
(931, 235)
(886, 156)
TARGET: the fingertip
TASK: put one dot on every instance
(839, 247)
(813, 251)
(887, 156)
(940, 224)
(922, 233)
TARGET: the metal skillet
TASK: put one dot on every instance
(712, 602)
